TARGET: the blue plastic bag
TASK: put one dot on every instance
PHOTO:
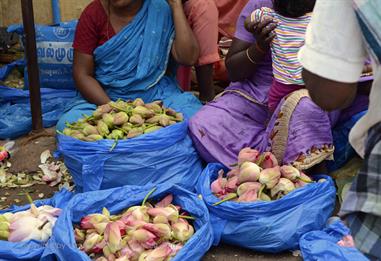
(7, 69)
(119, 199)
(322, 245)
(164, 156)
(31, 250)
(343, 149)
(268, 226)
(15, 115)
(54, 52)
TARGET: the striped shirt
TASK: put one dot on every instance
(289, 38)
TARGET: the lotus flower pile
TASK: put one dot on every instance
(257, 176)
(141, 233)
(123, 120)
(35, 223)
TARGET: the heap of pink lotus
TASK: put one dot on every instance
(143, 233)
(257, 176)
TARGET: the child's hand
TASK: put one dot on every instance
(262, 31)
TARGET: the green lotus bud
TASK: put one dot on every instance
(117, 134)
(106, 108)
(3, 218)
(154, 107)
(102, 128)
(138, 102)
(172, 122)
(120, 118)
(179, 117)
(135, 132)
(265, 197)
(136, 119)
(127, 126)
(170, 112)
(143, 111)
(164, 120)
(67, 131)
(93, 137)
(78, 136)
(108, 119)
(152, 129)
(153, 120)
(90, 130)
(4, 235)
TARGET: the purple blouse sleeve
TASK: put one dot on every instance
(241, 32)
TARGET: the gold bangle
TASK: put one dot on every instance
(248, 57)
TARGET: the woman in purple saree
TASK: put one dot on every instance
(298, 132)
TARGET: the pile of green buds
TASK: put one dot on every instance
(258, 177)
(122, 120)
(145, 232)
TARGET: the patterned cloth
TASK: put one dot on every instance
(362, 205)
(289, 38)
(368, 13)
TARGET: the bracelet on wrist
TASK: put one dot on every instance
(248, 57)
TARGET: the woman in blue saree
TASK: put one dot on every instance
(125, 49)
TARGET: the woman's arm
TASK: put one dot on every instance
(243, 57)
(185, 48)
(83, 72)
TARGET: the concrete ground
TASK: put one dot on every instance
(27, 157)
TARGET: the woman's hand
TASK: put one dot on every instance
(262, 31)
(173, 3)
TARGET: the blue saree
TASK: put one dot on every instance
(133, 64)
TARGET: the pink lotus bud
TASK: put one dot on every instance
(249, 172)
(289, 172)
(283, 187)
(232, 173)
(98, 248)
(90, 242)
(113, 237)
(165, 202)
(108, 254)
(161, 253)
(248, 196)
(127, 252)
(143, 235)
(102, 258)
(248, 154)
(122, 258)
(347, 241)
(303, 180)
(231, 185)
(269, 161)
(160, 220)
(163, 231)
(136, 247)
(89, 221)
(120, 118)
(79, 235)
(100, 228)
(270, 177)
(218, 186)
(138, 213)
(248, 186)
(182, 231)
(22, 228)
(170, 212)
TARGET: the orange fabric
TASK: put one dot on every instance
(202, 16)
(229, 11)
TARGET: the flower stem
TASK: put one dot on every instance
(114, 145)
(226, 199)
(147, 196)
(261, 190)
(187, 217)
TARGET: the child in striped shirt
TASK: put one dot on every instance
(292, 18)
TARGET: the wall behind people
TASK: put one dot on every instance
(10, 11)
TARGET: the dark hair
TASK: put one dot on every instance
(293, 8)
